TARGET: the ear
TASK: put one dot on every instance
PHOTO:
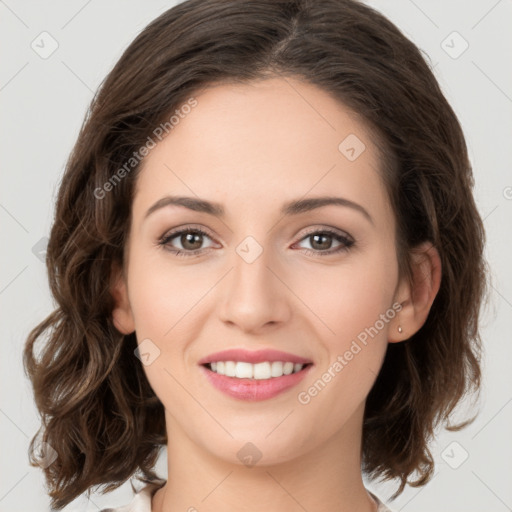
(417, 297)
(121, 314)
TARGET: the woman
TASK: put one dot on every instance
(266, 256)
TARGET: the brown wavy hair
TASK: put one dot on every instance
(97, 408)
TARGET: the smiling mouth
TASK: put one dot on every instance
(258, 371)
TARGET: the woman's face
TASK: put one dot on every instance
(317, 283)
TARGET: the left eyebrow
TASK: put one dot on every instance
(306, 205)
(290, 208)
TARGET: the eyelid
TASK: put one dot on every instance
(327, 229)
(187, 227)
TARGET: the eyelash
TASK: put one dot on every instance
(344, 240)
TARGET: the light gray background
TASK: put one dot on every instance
(43, 102)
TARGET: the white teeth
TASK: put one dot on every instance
(258, 371)
(262, 371)
(277, 369)
(287, 368)
(243, 370)
(230, 368)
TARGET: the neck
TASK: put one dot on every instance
(328, 478)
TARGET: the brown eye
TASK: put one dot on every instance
(321, 242)
(185, 242)
(191, 241)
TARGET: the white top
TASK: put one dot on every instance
(142, 501)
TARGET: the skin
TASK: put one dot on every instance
(252, 148)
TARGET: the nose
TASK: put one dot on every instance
(255, 295)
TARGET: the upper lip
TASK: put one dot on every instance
(253, 356)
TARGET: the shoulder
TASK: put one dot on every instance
(382, 507)
(141, 501)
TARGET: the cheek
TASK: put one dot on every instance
(168, 302)
(354, 354)
(161, 295)
(163, 301)
(353, 303)
(349, 299)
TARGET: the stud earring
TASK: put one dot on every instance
(399, 329)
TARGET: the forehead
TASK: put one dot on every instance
(263, 142)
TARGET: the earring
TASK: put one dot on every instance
(399, 329)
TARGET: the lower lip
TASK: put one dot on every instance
(254, 390)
